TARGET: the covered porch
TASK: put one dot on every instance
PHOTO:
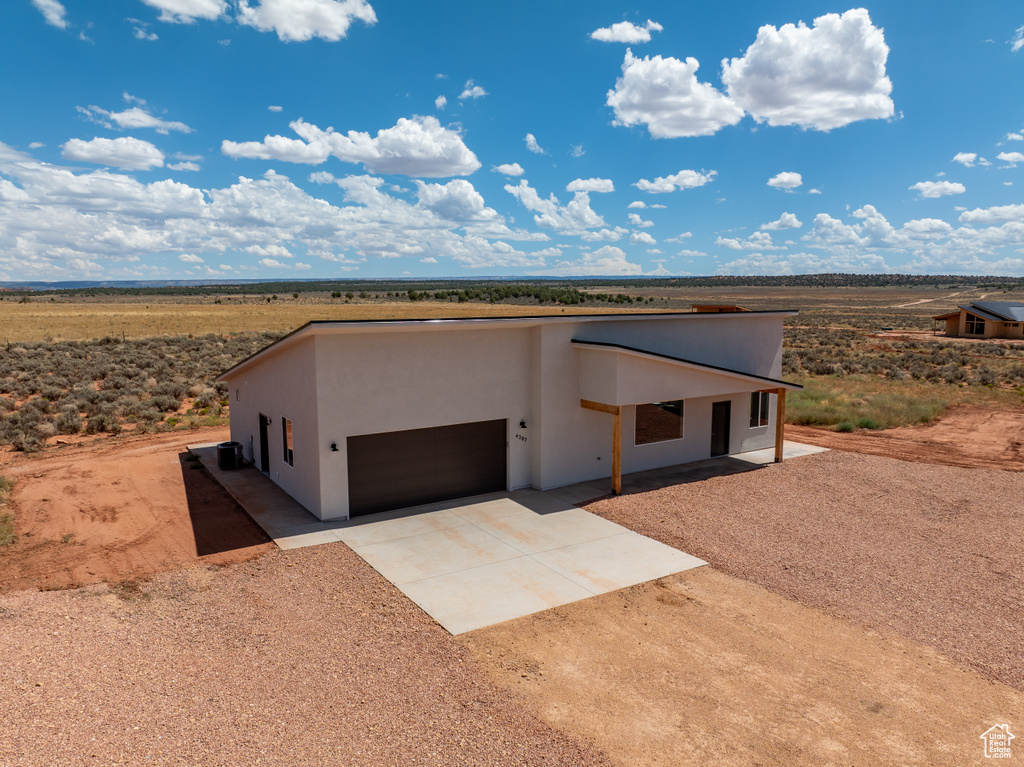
(655, 386)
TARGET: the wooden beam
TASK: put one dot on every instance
(601, 407)
(617, 453)
(616, 413)
(780, 424)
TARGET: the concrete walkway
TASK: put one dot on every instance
(473, 562)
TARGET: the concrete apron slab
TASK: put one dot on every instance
(474, 562)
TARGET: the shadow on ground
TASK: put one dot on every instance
(219, 524)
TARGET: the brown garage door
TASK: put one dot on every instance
(396, 469)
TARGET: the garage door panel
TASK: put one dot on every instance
(406, 468)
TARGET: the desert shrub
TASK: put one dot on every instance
(845, 426)
(985, 376)
(69, 421)
(45, 429)
(207, 398)
(102, 423)
(27, 443)
(165, 403)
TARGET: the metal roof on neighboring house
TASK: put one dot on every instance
(983, 313)
(1009, 311)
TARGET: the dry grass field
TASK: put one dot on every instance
(80, 320)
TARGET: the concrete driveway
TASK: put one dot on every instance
(480, 561)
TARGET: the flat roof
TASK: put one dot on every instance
(439, 323)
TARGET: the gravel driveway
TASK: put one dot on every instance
(934, 553)
(299, 658)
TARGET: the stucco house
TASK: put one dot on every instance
(985, 319)
(356, 417)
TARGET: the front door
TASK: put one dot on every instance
(720, 412)
(264, 444)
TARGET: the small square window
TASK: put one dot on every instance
(658, 422)
(759, 404)
(286, 431)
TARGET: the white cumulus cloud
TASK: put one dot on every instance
(626, 32)
(472, 91)
(576, 217)
(417, 146)
(785, 221)
(53, 12)
(509, 169)
(786, 180)
(1017, 41)
(187, 11)
(131, 118)
(684, 179)
(636, 220)
(532, 145)
(938, 188)
(820, 77)
(441, 102)
(608, 260)
(642, 238)
(664, 94)
(590, 185)
(189, 258)
(275, 108)
(126, 152)
(967, 159)
(1011, 157)
(997, 215)
(301, 20)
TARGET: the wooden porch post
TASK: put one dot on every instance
(616, 412)
(780, 424)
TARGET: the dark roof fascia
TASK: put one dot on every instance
(496, 320)
(683, 360)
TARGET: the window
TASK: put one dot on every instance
(658, 422)
(975, 325)
(286, 431)
(759, 408)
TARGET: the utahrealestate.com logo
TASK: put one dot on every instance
(997, 741)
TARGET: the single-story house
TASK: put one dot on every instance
(985, 319)
(356, 417)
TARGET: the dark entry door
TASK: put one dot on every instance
(720, 413)
(264, 444)
(393, 470)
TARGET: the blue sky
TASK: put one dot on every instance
(177, 139)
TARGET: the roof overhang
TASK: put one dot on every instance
(983, 314)
(340, 327)
(949, 316)
(623, 375)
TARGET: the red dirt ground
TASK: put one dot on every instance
(120, 509)
(967, 436)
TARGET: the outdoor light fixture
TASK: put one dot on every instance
(334, 447)
(522, 424)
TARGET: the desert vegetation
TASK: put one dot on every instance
(102, 360)
(105, 386)
(7, 536)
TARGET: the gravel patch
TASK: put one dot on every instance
(933, 553)
(305, 657)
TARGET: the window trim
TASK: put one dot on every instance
(760, 407)
(973, 320)
(682, 423)
(288, 438)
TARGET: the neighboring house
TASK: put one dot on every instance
(355, 417)
(985, 319)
